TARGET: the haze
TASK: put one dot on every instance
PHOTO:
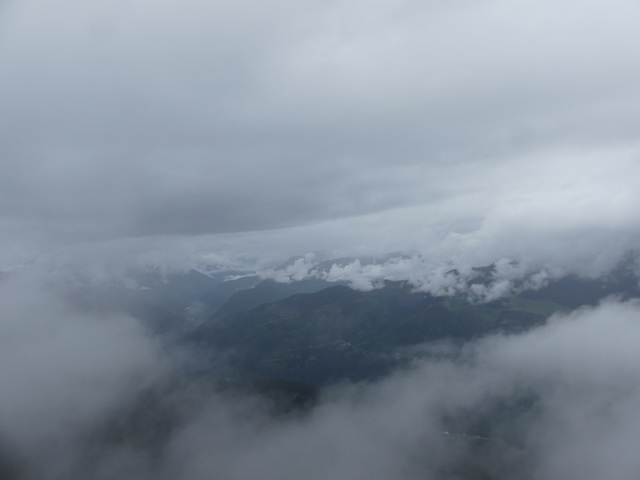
(474, 130)
(411, 140)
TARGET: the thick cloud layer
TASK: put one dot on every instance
(472, 127)
(61, 371)
(558, 402)
(233, 136)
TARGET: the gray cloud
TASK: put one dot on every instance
(133, 120)
(236, 135)
(579, 422)
(62, 371)
(556, 402)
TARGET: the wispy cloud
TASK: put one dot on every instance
(555, 402)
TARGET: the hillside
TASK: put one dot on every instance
(343, 333)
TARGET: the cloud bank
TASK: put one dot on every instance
(558, 401)
(478, 129)
(229, 137)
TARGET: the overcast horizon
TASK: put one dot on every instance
(467, 132)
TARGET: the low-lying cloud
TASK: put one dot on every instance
(61, 370)
(557, 402)
(229, 137)
(485, 283)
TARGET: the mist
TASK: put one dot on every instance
(558, 401)
(349, 142)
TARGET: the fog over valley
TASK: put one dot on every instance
(89, 395)
(390, 239)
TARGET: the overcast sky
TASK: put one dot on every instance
(481, 129)
(465, 131)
